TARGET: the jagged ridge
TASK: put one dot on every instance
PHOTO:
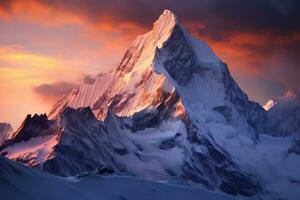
(5, 132)
(158, 107)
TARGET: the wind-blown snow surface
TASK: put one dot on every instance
(269, 161)
(22, 183)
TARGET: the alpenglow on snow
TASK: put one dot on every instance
(169, 111)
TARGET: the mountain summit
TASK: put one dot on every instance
(169, 111)
(284, 115)
(168, 61)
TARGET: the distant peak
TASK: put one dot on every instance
(270, 104)
(291, 93)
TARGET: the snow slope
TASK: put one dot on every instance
(268, 160)
(20, 182)
(284, 116)
(284, 119)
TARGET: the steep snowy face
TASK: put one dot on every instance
(284, 116)
(163, 62)
(5, 132)
(208, 92)
(133, 86)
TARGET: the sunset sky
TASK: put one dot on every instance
(48, 47)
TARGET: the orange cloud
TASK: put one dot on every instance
(20, 72)
(72, 38)
(249, 53)
(38, 12)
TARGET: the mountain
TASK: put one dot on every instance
(269, 104)
(22, 183)
(168, 61)
(169, 111)
(170, 150)
(284, 116)
(5, 132)
(158, 108)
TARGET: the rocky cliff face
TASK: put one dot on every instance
(5, 132)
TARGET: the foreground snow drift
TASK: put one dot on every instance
(20, 182)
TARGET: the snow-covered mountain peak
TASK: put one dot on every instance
(165, 19)
(163, 27)
(291, 94)
(170, 14)
(164, 63)
(269, 104)
(284, 115)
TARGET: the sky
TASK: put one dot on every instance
(47, 47)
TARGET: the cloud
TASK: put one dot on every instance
(220, 17)
(258, 39)
(53, 91)
(17, 57)
(88, 79)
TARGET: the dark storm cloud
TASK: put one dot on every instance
(219, 16)
(223, 17)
